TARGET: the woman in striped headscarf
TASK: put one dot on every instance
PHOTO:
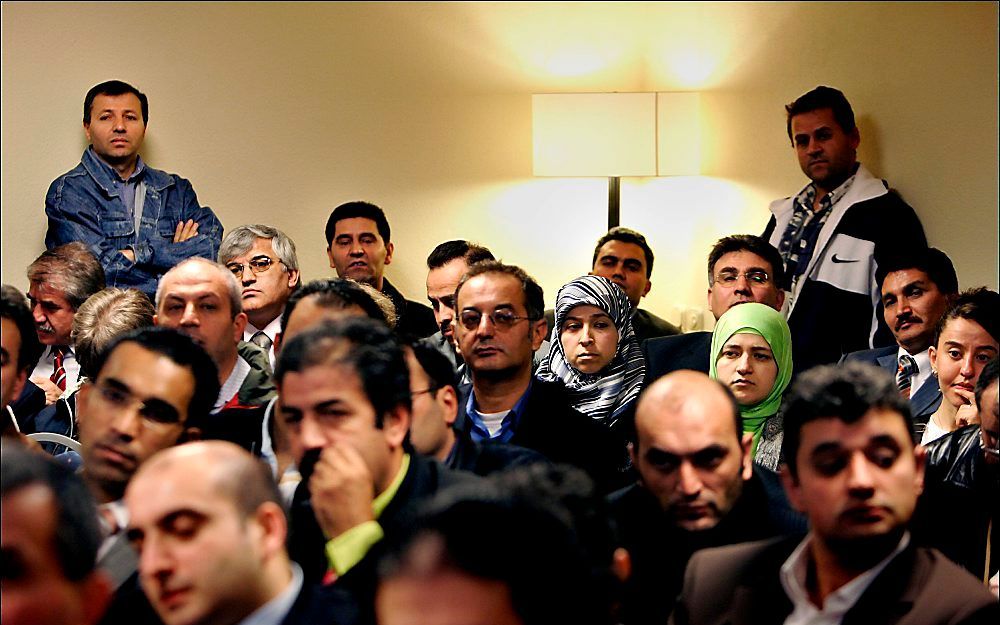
(594, 350)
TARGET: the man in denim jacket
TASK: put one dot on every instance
(137, 220)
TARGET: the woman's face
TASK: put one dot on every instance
(962, 350)
(746, 364)
(589, 338)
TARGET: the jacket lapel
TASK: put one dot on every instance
(927, 398)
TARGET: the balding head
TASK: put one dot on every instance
(690, 451)
(207, 519)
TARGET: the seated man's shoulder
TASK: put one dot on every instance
(870, 356)
(648, 326)
(957, 596)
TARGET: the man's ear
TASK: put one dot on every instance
(539, 332)
(388, 253)
(22, 379)
(633, 454)
(781, 298)
(329, 255)
(156, 319)
(920, 458)
(293, 278)
(649, 285)
(746, 442)
(86, 130)
(792, 488)
(270, 517)
(189, 435)
(239, 324)
(395, 424)
(449, 397)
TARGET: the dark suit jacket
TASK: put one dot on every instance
(550, 426)
(923, 402)
(660, 550)
(672, 353)
(321, 604)
(740, 585)
(413, 319)
(486, 458)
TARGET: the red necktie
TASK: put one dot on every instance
(58, 376)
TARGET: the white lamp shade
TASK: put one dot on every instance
(594, 134)
(678, 134)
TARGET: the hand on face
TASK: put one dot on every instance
(342, 489)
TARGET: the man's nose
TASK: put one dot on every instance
(689, 481)
(859, 475)
(128, 422)
(36, 312)
(154, 560)
(312, 435)
(190, 315)
(815, 146)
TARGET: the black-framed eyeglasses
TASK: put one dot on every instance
(257, 264)
(503, 318)
(153, 411)
(754, 276)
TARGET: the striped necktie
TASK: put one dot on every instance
(58, 376)
(907, 369)
(261, 340)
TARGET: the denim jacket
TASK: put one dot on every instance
(84, 205)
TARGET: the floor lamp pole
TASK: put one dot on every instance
(614, 201)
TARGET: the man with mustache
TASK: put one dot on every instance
(61, 280)
(153, 390)
(917, 286)
(137, 220)
(359, 248)
(834, 234)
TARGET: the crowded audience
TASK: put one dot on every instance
(194, 434)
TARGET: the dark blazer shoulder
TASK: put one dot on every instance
(672, 353)
(870, 356)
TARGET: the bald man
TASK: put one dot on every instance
(696, 488)
(210, 530)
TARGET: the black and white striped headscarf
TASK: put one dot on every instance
(604, 395)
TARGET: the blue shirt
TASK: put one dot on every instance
(508, 426)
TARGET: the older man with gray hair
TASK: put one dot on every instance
(264, 261)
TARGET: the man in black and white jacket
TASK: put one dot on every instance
(832, 234)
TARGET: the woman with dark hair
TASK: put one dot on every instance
(965, 340)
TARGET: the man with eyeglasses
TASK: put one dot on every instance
(264, 261)
(500, 325)
(202, 299)
(958, 511)
(153, 390)
(741, 268)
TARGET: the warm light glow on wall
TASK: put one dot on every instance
(594, 134)
(678, 134)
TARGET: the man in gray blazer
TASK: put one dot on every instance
(855, 470)
(917, 287)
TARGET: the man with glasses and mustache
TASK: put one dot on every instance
(153, 390)
(499, 325)
(917, 287)
(958, 510)
(264, 261)
(741, 268)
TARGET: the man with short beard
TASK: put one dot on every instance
(855, 470)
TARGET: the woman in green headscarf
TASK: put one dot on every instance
(752, 355)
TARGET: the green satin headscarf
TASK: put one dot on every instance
(752, 318)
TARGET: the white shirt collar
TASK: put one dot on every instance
(275, 610)
(233, 383)
(835, 606)
(923, 360)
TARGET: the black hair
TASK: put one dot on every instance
(113, 88)
(77, 533)
(626, 235)
(358, 209)
(822, 98)
(448, 251)
(929, 260)
(980, 305)
(551, 543)
(14, 306)
(435, 364)
(534, 297)
(182, 351)
(368, 347)
(987, 377)
(845, 392)
(334, 293)
(747, 243)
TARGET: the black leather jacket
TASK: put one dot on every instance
(961, 494)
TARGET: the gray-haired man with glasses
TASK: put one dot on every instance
(499, 310)
(263, 260)
(958, 511)
(741, 268)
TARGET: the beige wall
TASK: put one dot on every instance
(279, 112)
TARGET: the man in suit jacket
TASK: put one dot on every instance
(500, 325)
(855, 470)
(741, 268)
(208, 521)
(916, 286)
(345, 410)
